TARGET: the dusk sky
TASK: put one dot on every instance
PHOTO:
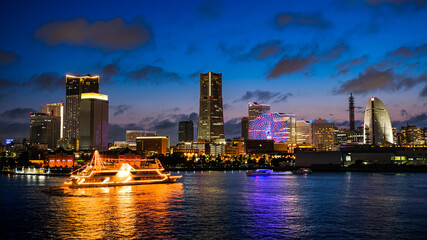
(301, 57)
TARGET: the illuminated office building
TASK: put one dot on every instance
(290, 128)
(211, 119)
(131, 135)
(57, 110)
(377, 124)
(303, 132)
(411, 135)
(245, 127)
(75, 86)
(152, 145)
(255, 109)
(93, 124)
(322, 132)
(44, 129)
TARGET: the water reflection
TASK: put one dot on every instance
(141, 211)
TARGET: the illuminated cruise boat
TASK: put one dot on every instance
(98, 174)
(259, 172)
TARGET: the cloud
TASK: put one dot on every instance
(210, 9)
(120, 109)
(344, 67)
(109, 71)
(404, 113)
(263, 50)
(232, 128)
(372, 79)
(7, 57)
(292, 65)
(335, 52)
(7, 84)
(423, 93)
(264, 96)
(346, 124)
(47, 81)
(14, 130)
(153, 74)
(18, 113)
(419, 120)
(407, 52)
(114, 34)
(316, 20)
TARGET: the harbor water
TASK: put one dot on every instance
(220, 205)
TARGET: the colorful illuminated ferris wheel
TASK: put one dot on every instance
(268, 126)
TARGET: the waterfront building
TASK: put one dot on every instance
(150, 145)
(44, 129)
(55, 109)
(75, 86)
(377, 124)
(194, 148)
(322, 132)
(131, 135)
(216, 149)
(211, 118)
(186, 131)
(122, 155)
(245, 127)
(235, 147)
(61, 158)
(255, 109)
(411, 135)
(93, 123)
(303, 133)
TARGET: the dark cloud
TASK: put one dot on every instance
(397, 3)
(14, 130)
(264, 96)
(404, 113)
(316, 20)
(292, 65)
(335, 52)
(47, 81)
(372, 79)
(419, 120)
(344, 67)
(346, 124)
(262, 50)
(153, 74)
(7, 57)
(8, 84)
(210, 9)
(232, 128)
(108, 35)
(120, 109)
(18, 113)
(109, 71)
(407, 52)
(423, 93)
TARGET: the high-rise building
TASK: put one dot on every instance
(186, 131)
(290, 128)
(303, 132)
(93, 124)
(75, 86)
(55, 109)
(44, 129)
(245, 127)
(322, 132)
(411, 135)
(255, 109)
(211, 118)
(131, 135)
(351, 111)
(377, 124)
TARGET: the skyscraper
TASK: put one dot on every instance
(351, 111)
(75, 86)
(57, 110)
(186, 131)
(245, 127)
(44, 129)
(303, 132)
(322, 132)
(377, 124)
(93, 124)
(255, 109)
(211, 119)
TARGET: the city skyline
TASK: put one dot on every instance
(299, 59)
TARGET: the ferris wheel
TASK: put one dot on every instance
(268, 126)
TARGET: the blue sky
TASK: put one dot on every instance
(302, 57)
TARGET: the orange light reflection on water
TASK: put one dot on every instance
(120, 212)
